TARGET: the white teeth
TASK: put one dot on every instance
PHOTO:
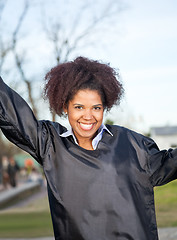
(86, 126)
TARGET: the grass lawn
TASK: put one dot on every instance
(34, 220)
(166, 204)
(30, 224)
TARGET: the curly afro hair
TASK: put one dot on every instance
(64, 80)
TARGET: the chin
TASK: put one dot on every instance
(87, 134)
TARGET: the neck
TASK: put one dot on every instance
(86, 144)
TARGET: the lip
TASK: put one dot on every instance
(86, 126)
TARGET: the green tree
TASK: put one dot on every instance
(109, 121)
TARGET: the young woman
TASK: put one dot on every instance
(100, 178)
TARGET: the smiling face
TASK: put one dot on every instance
(85, 114)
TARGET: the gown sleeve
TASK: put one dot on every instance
(162, 164)
(19, 124)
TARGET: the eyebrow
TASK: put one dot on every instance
(95, 105)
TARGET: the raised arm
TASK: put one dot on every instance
(18, 122)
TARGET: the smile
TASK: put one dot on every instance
(86, 127)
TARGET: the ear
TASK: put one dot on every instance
(65, 109)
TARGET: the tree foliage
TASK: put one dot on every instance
(42, 34)
(46, 33)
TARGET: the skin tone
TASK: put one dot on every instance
(85, 115)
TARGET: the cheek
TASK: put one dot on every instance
(100, 116)
(99, 119)
(73, 117)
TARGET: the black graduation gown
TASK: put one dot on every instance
(105, 194)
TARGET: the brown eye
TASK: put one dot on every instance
(97, 108)
(78, 107)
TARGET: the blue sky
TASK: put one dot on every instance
(143, 47)
(146, 54)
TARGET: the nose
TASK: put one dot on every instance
(87, 115)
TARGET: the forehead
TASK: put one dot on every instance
(87, 96)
